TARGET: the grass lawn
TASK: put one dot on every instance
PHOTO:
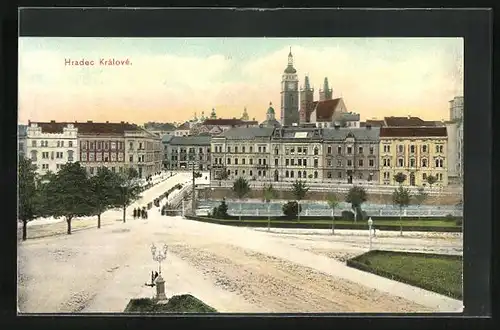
(438, 273)
(177, 304)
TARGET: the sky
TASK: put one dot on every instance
(171, 79)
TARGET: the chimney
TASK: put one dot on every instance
(52, 121)
(89, 121)
(29, 122)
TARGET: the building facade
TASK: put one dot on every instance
(456, 107)
(418, 152)
(51, 145)
(289, 94)
(351, 154)
(21, 140)
(182, 153)
(242, 152)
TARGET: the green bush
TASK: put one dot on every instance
(185, 303)
(291, 209)
(220, 212)
(348, 215)
(449, 217)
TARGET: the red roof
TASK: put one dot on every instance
(88, 127)
(413, 132)
(326, 109)
(407, 121)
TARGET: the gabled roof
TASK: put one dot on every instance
(341, 133)
(89, 127)
(194, 140)
(326, 109)
(243, 133)
(183, 127)
(223, 122)
(407, 122)
(403, 132)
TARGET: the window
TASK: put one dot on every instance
(59, 154)
(45, 166)
(264, 149)
(229, 161)
(291, 174)
(339, 163)
(236, 149)
(401, 148)
(70, 144)
(360, 176)
(339, 175)
(371, 162)
(251, 149)
(371, 150)
(251, 172)
(243, 161)
(106, 145)
(120, 157)
(315, 174)
(260, 149)
(91, 157)
(329, 162)
(412, 149)
(329, 150)
(58, 144)
(287, 174)
(70, 155)
(33, 143)
(84, 156)
(91, 145)
(131, 158)
(439, 149)
(236, 161)
(292, 161)
(276, 151)
(243, 149)
(387, 162)
(316, 151)
(113, 157)
(299, 161)
(439, 163)
(304, 162)
(113, 147)
(424, 176)
(299, 174)
(424, 162)
(235, 172)
(260, 161)
(387, 148)
(401, 162)
(387, 175)
(33, 155)
(339, 150)
(315, 163)
(360, 162)
(360, 150)
(304, 174)
(228, 149)
(45, 155)
(349, 150)
(349, 162)
(329, 175)
(424, 148)
(251, 161)
(412, 162)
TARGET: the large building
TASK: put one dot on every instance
(113, 145)
(417, 152)
(289, 153)
(186, 152)
(290, 94)
(51, 145)
(351, 154)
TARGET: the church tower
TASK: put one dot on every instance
(213, 115)
(289, 94)
(306, 101)
(245, 115)
(326, 93)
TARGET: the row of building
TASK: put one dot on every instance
(114, 145)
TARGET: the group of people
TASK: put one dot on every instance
(140, 213)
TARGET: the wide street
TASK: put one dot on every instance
(230, 268)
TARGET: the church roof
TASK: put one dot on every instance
(290, 69)
(326, 109)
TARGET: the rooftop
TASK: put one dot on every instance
(413, 132)
(243, 133)
(408, 121)
(88, 127)
(326, 109)
(368, 133)
(194, 140)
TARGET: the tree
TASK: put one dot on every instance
(400, 178)
(128, 190)
(420, 197)
(356, 197)
(291, 209)
(104, 187)
(28, 194)
(333, 202)
(269, 194)
(431, 179)
(401, 198)
(241, 188)
(299, 190)
(68, 193)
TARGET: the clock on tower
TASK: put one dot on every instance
(291, 86)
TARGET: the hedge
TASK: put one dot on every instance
(185, 303)
(358, 264)
(305, 225)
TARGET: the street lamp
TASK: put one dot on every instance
(370, 223)
(159, 256)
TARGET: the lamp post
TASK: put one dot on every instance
(159, 256)
(370, 223)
